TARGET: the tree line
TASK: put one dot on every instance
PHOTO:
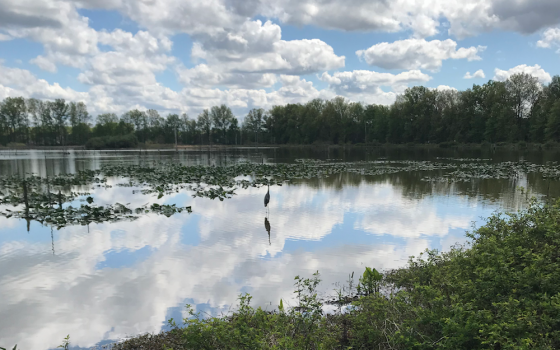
(515, 110)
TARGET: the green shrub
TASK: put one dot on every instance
(121, 141)
(15, 145)
(448, 144)
(501, 293)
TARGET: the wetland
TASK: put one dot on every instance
(103, 245)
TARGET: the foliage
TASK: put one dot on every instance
(124, 141)
(65, 343)
(500, 291)
(370, 282)
(14, 348)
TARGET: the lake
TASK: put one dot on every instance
(105, 281)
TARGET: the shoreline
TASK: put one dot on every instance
(215, 147)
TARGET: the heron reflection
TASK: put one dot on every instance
(267, 228)
(266, 222)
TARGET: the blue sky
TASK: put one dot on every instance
(177, 56)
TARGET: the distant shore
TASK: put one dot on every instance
(443, 145)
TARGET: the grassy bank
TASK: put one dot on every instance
(500, 291)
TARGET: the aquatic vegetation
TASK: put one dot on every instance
(221, 182)
(40, 196)
(503, 170)
(86, 214)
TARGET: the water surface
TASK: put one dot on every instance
(103, 282)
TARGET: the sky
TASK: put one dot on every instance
(180, 56)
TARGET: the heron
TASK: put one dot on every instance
(267, 197)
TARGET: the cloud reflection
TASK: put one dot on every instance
(47, 297)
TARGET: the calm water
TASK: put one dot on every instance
(107, 281)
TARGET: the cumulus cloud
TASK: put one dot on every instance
(526, 16)
(64, 34)
(44, 63)
(134, 61)
(33, 14)
(257, 50)
(205, 76)
(550, 38)
(251, 38)
(21, 82)
(445, 87)
(366, 86)
(416, 53)
(118, 98)
(536, 71)
(365, 80)
(478, 74)
(218, 17)
(422, 18)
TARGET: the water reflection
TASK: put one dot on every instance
(267, 228)
(108, 280)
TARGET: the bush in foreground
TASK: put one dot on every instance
(120, 141)
(500, 291)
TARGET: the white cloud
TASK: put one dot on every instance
(22, 83)
(536, 71)
(252, 38)
(257, 48)
(142, 43)
(365, 80)
(44, 63)
(252, 56)
(445, 87)
(209, 17)
(65, 35)
(423, 18)
(118, 98)
(365, 85)
(478, 74)
(550, 38)
(205, 76)
(417, 53)
(219, 17)
(296, 57)
(5, 37)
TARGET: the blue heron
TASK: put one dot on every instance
(267, 197)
